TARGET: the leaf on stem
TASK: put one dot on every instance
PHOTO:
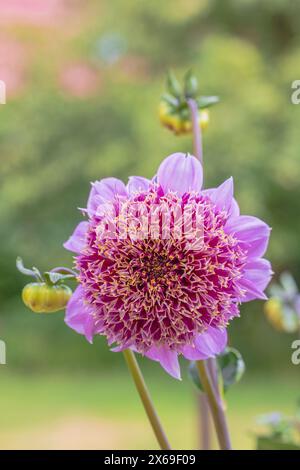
(230, 364)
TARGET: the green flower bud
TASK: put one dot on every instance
(190, 85)
(42, 298)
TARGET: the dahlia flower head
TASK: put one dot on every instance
(163, 265)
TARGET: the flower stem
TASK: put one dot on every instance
(197, 136)
(204, 422)
(216, 405)
(213, 372)
(146, 399)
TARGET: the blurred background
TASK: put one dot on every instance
(83, 85)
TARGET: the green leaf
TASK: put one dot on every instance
(55, 278)
(207, 101)
(190, 85)
(230, 364)
(173, 85)
(269, 443)
(169, 99)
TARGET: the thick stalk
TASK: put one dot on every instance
(146, 399)
(204, 422)
(197, 136)
(216, 406)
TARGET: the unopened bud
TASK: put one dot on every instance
(43, 298)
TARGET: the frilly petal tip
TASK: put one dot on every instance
(181, 173)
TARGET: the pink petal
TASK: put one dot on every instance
(168, 359)
(252, 232)
(75, 314)
(259, 271)
(223, 198)
(252, 291)
(79, 316)
(192, 354)
(122, 347)
(92, 327)
(206, 345)
(234, 209)
(137, 184)
(103, 191)
(180, 173)
(223, 195)
(76, 241)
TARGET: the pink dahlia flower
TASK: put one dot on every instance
(168, 285)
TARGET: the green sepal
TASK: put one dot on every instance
(231, 367)
(173, 85)
(56, 278)
(169, 99)
(190, 85)
(207, 101)
(34, 272)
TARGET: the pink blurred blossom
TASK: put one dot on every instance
(80, 80)
(37, 12)
(13, 59)
(134, 68)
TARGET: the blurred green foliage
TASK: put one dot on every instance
(52, 145)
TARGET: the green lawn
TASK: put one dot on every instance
(76, 411)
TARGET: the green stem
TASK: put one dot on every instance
(216, 406)
(146, 399)
(204, 421)
(197, 135)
